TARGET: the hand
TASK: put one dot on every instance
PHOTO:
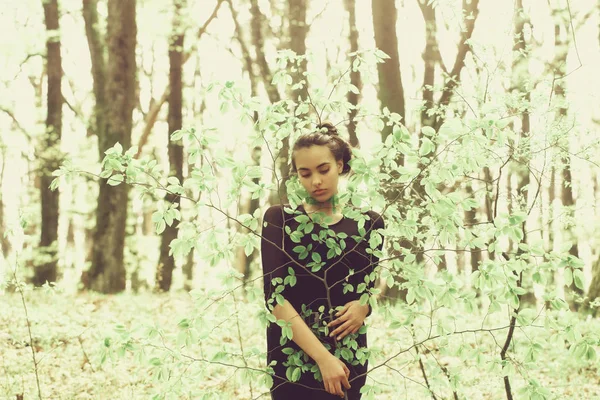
(335, 374)
(351, 318)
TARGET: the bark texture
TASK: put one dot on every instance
(391, 91)
(107, 273)
(166, 263)
(355, 80)
(45, 270)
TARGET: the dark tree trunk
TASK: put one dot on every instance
(107, 273)
(98, 58)
(47, 271)
(166, 263)
(4, 243)
(391, 95)
(561, 35)
(489, 200)
(298, 32)
(430, 60)
(258, 41)
(391, 91)
(354, 75)
(471, 219)
(522, 162)
(243, 261)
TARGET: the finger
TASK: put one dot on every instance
(341, 328)
(346, 383)
(327, 387)
(338, 388)
(345, 333)
(335, 322)
(347, 370)
(343, 310)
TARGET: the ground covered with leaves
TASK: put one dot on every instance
(90, 346)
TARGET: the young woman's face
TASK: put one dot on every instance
(318, 171)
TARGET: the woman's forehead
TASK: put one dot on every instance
(313, 156)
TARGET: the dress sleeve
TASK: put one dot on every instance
(274, 259)
(376, 222)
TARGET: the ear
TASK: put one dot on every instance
(340, 165)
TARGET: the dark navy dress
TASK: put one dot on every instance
(309, 294)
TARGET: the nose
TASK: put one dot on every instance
(316, 181)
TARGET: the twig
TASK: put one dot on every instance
(33, 355)
(424, 374)
(85, 356)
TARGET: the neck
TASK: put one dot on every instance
(329, 207)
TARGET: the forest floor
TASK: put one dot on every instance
(70, 336)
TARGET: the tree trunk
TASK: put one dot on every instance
(4, 243)
(166, 262)
(257, 23)
(471, 219)
(243, 262)
(298, 32)
(50, 153)
(98, 58)
(430, 60)
(489, 203)
(107, 273)
(391, 91)
(519, 67)
(354, 75)
(391, 95)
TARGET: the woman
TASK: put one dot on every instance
(320, 279)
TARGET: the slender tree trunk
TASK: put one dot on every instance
(430, 59)
(391, 95)
(471, 219)
(98, 58)
(258, 42)
(354, 75)
(562, 33)
(391, 91)
(549, 286)
(489, 200)
(298, 32)
(522, 162)
(594, 288)
(50, 153)
(251, 205)
(166, 262)
(4, 243)
(107, 273)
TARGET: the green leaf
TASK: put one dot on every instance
(568, 276)
(316, 257)
(115, 180)
(579, 278)
(347, 354)
(296, 374)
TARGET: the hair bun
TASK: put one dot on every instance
(328, 128)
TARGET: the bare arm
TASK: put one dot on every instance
(334, 372)
(303, 335)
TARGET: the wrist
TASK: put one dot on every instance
(322, 356)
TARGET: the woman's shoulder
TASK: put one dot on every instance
(279, 213)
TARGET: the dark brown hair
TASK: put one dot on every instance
(325, 135)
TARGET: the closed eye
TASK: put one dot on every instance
(323, 172)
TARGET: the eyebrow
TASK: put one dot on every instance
(318, 166)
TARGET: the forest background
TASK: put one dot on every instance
(141, 142)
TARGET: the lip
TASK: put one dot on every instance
(320, 191)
